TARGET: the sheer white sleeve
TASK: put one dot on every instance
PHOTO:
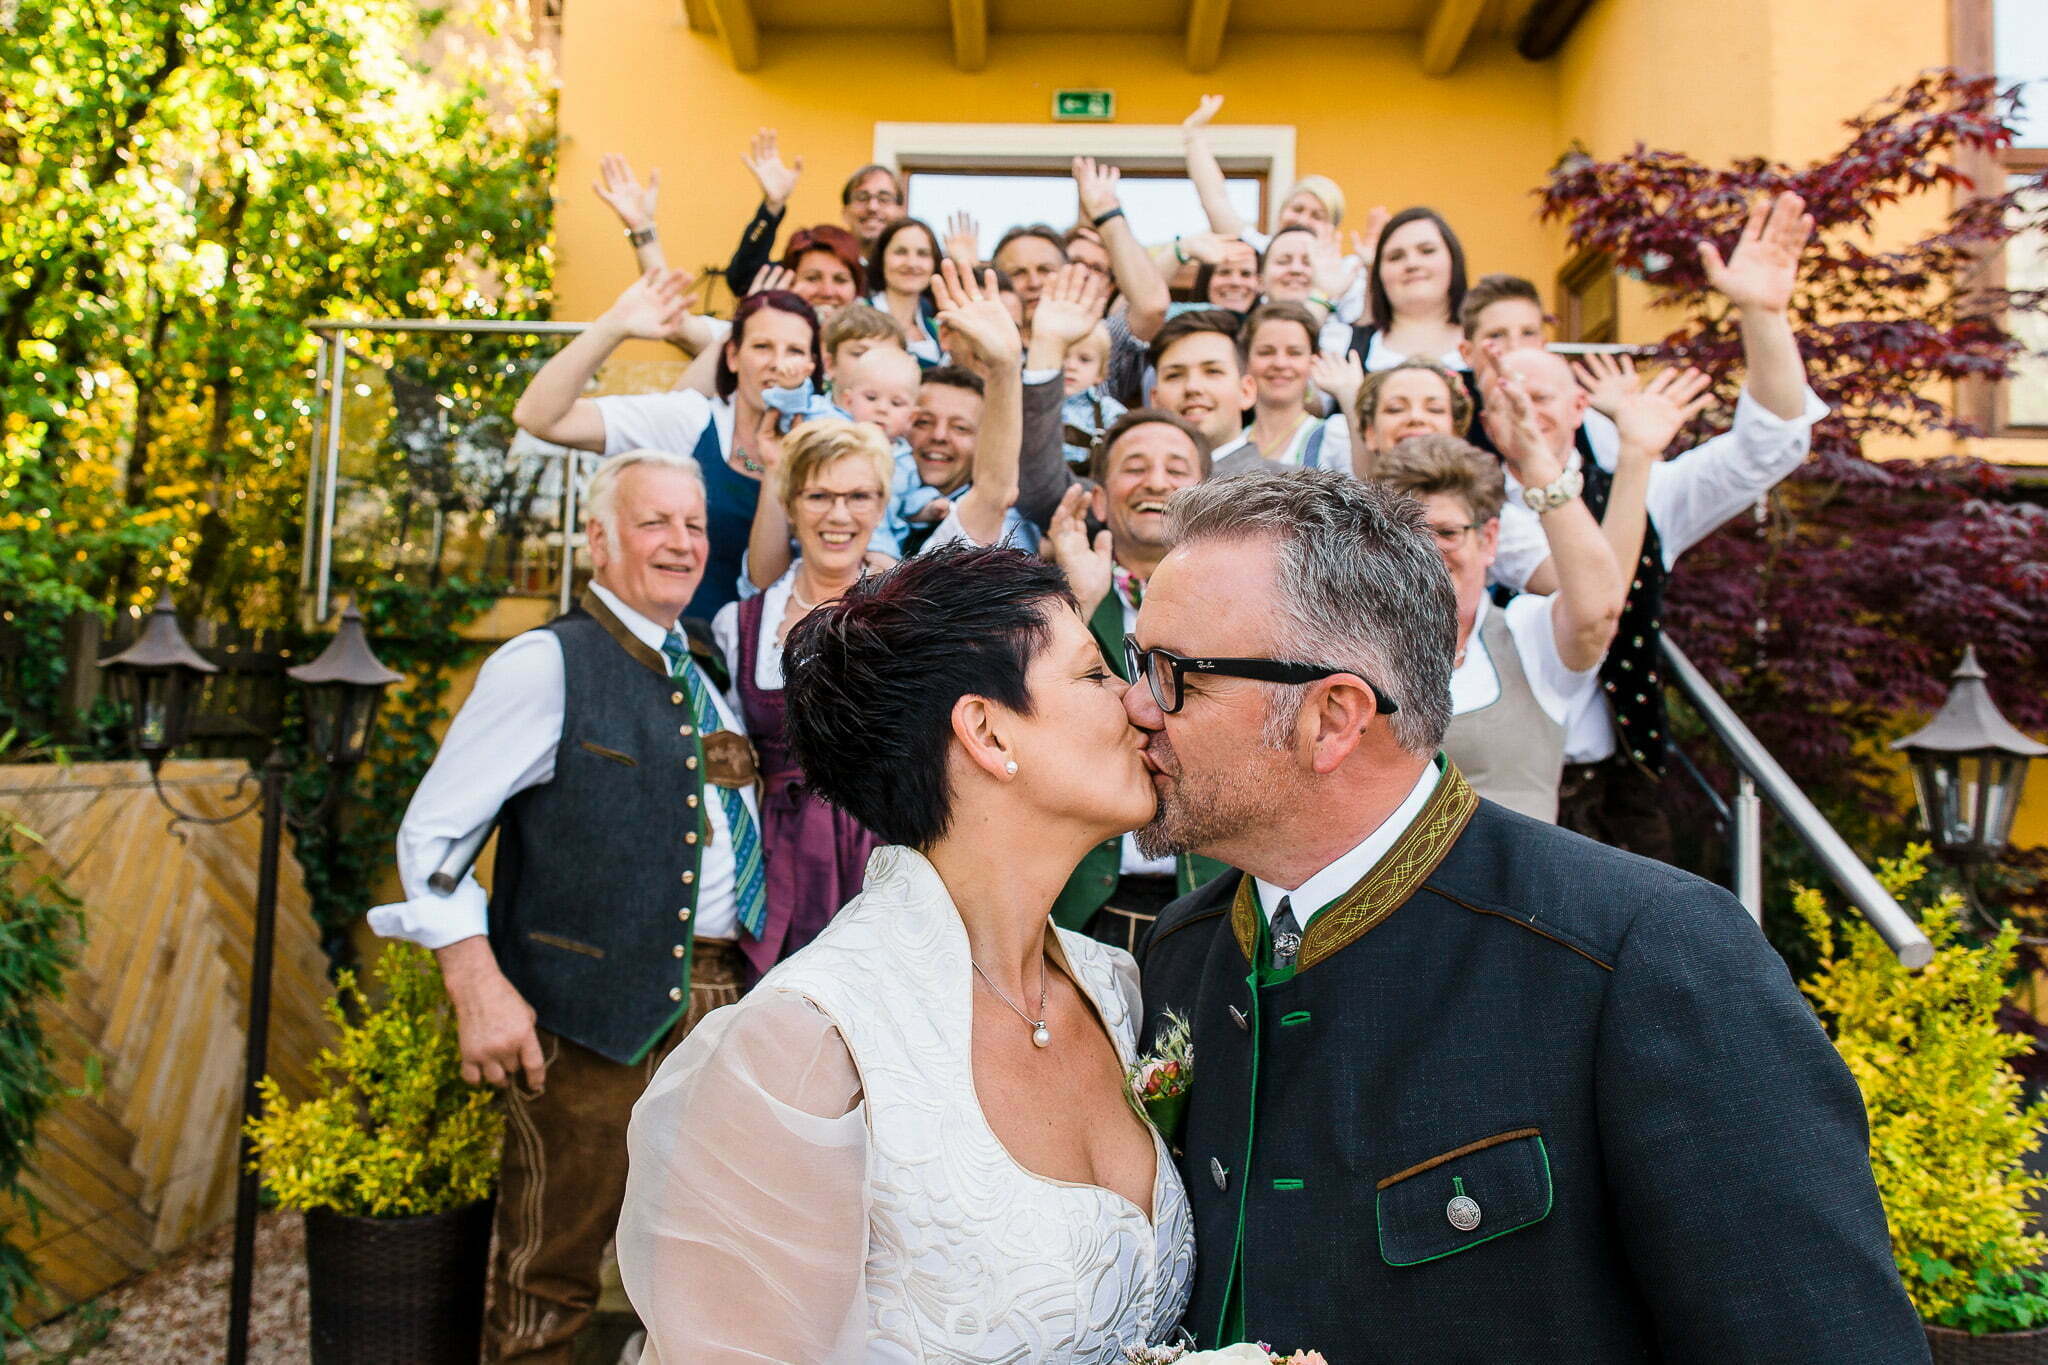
(745, 1228)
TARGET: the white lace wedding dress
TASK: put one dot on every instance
(813, 1178)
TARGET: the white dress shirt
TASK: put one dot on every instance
(670, 421)
(1530, 619)
(501, 742)
(1351, 868)
(1689, 498)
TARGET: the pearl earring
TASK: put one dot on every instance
(1011, 767)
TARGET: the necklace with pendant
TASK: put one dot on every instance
(1041, 1036)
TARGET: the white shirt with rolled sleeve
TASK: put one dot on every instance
(1689, 498)
(500, 743)
(663, 421)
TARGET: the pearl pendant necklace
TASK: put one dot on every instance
(1041, 1036)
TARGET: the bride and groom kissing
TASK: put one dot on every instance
(1465, 1087)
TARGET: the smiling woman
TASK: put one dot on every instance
(830, 479)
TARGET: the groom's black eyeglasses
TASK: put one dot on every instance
(1163, 670)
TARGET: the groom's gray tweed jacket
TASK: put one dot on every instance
(1668, 1159)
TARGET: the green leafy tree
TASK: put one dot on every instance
(183, 184)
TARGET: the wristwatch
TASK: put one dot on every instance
(640, 236)
(1556, 493)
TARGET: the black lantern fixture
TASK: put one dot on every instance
(1969, 766)
(345, 687)
(157, 680)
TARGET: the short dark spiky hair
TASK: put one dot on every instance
(1492, 289)
(1219, 320)
(870, 679)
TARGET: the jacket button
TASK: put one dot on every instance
(691, 761)
(1237, 1017)
(684, 914)
(1463, 1213)
(691, 801)
(675, 992)
(679, 950)
(691, 837)
(688, 877)
(675, 699)
(1216, 1174)
(685, 732)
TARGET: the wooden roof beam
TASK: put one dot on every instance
(1207, 20)
(1451, 26)
(735, 22)
(970, 34)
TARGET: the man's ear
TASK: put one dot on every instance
(599, 544)
(1098, 503)
(1247, 390)
(1334, 718)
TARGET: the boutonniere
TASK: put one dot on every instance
(1159, 1081)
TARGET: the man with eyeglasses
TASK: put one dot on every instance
(870, 200)
(1467, 1086)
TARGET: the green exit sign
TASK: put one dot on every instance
(1096, 106)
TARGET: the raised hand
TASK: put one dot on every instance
(1607, 379)
(1650, 416)
(618, 187)
(1759, 274)
(973, 312)
(1070, 306)
(772, 277)
(963, 239)
(1375, 224)
(1333, 270)
(652, 306)
(1204, 111)
(1088, 564)
(1341, 379)
(1097, 186)
(1510, 419)
(766, 447)
(1210, 248)
(764, 159)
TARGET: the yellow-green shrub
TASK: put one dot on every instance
(1948, 1133)
(392, 1130)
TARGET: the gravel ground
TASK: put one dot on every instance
(179, 1311)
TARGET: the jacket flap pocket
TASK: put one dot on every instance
(1468, 1195)
(614, 755)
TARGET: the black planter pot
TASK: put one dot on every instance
(398, 1291)
(1951, 1347)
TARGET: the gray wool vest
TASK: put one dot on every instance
(595, 892)
(1511, 751)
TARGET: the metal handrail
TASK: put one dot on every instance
(1759, 771)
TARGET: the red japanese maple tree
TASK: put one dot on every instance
(1836, 618)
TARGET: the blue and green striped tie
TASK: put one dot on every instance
(750, 879)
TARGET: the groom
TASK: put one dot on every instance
(1467, 1087)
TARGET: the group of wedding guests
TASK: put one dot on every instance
(879, 392)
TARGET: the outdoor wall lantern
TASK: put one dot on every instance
(1969, 766)
(158, 679)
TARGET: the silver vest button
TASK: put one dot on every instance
(1463, 1211)
(1216, 1174)
(1237, 1017)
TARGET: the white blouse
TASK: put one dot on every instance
(812, 1177)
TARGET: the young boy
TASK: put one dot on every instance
(1504, 313)
(1088, 411)
(855, 330)
(880, 387)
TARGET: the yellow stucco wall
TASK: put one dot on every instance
(637, 80)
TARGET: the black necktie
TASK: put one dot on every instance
(1629, 676)
(1286, 934)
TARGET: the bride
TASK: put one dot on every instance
(911, 1140)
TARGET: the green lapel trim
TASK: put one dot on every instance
(1230, 1323)
(1397, 877)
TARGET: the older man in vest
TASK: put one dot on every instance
(629, 863)
(1467, 1086)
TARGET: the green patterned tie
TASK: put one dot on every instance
(750, 879)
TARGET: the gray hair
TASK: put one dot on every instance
(1361, 586)
(601, 495)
